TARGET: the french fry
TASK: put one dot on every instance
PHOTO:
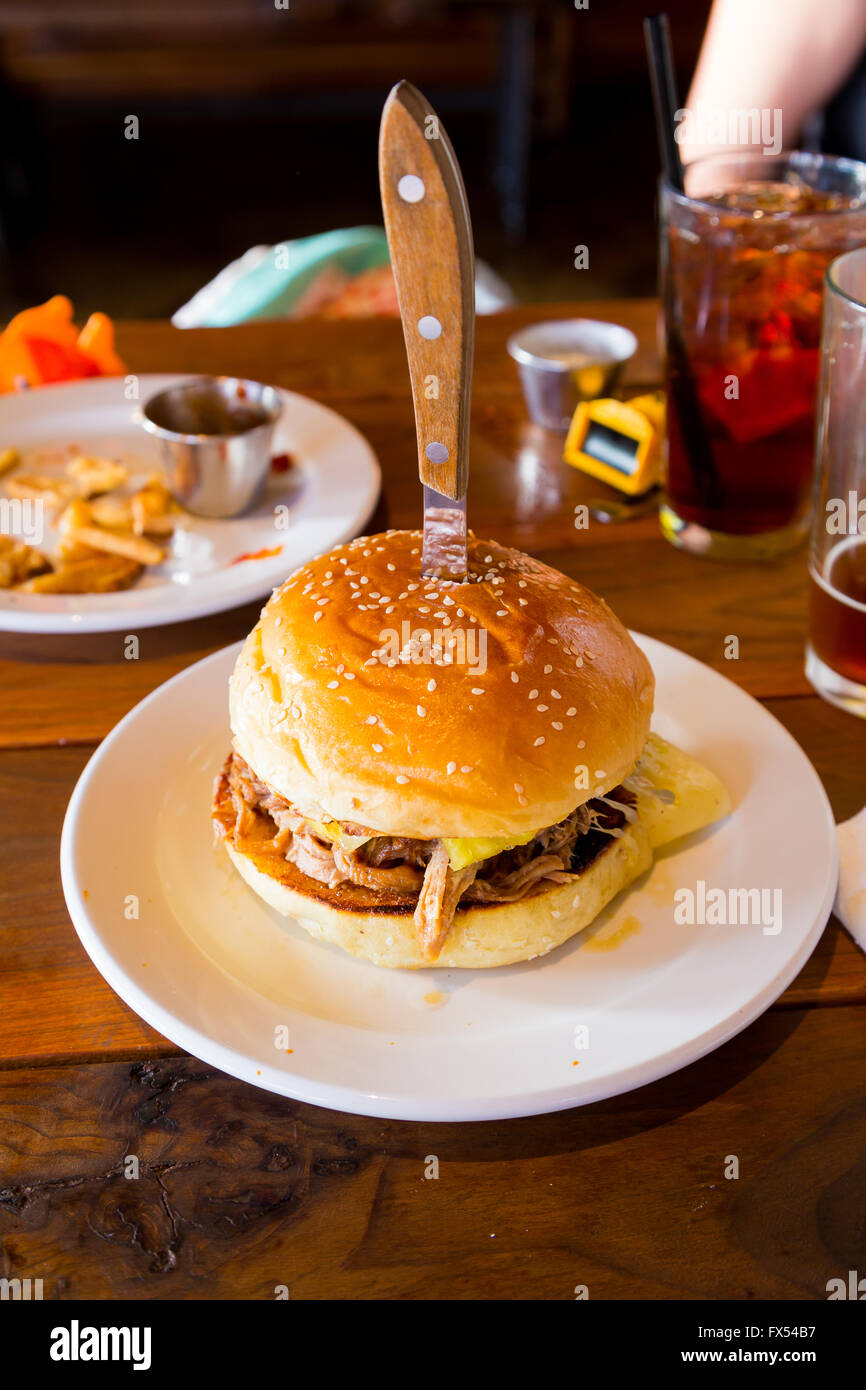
(116, 513)
(136, 548)
(75, 513)
(19, 562)
(153, 509)
(101, 575)
(69, 551)
(9, 459)
(93, 475)
(52, 491)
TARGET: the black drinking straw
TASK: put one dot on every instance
(682, 383)
(661, 65)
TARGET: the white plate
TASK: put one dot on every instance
(217, 972)
(330, 494)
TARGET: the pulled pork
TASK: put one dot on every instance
(391, 864)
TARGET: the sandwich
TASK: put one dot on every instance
(427, 772)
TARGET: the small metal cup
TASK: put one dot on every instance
(566, 361)
(216, 435)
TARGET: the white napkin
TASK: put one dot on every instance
(850, 905)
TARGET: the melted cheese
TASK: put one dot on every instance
(462, 853)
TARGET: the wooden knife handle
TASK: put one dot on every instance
(430, 238)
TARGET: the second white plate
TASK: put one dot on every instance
(329, 493)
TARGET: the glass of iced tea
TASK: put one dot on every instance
(836, 648)
(744, 252)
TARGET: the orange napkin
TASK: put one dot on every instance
(43, 345)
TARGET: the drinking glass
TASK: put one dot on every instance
(836, 646)
(744, 251)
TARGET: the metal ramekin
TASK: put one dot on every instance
(566, 361)
(216, 435)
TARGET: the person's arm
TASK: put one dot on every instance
(790, 55)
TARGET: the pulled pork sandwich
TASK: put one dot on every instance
(427, 772)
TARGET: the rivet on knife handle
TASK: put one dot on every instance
(430, 238)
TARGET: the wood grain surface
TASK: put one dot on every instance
(240, 1191)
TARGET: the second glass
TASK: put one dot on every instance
(836, 650)
(743, 256)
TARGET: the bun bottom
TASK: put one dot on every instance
(483, 935)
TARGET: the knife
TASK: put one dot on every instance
(430, 240)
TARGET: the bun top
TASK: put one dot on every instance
(427, 708)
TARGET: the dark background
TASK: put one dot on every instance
(259, 124)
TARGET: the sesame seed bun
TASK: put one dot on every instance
(545, 703)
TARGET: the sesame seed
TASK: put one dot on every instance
(600, 772)
(570, 711)
(518, 788)
(538, 742)
(556, 695)
(377, 748)
(350, 675)
(502, 612)
(401, 779)
(582, 743)
(332, 685)
(466, 768)
(371, 719)
(277, 621)
(515, 677)
(317, 617)
(391, 568)
(533, 694)
(556, 724)
(431, 685)
(547, 670)
(421, 711)
(452, 767)
(523, 602)
(542, 709)
(476, 690)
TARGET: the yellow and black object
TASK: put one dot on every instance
(619, 442)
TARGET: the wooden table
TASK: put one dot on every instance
(241, 1190)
